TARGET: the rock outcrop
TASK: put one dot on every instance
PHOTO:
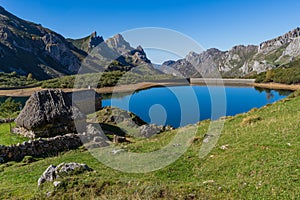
(48, 113)
(62, 170)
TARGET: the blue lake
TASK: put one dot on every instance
(181, 105)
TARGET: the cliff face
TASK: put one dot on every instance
(240, 60)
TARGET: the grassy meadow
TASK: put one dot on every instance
(260, 161)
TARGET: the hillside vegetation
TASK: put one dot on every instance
(286, 74)
(260, 161)
(8, 80)
(103, 79)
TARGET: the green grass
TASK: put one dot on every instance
(7, 138)
(261, 162)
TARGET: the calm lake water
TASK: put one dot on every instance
(181, 105)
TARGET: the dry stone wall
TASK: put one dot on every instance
(39, 147)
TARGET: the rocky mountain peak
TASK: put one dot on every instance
(140, 48)
(95, 40)
(192, 54)
(119, 44)
(281, 40)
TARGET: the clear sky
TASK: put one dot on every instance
(212, 23)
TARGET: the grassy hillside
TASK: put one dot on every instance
(286, 74)
(261, 162)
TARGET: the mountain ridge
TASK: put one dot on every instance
(27, 47)
(240, 60)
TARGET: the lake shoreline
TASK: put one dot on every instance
(277, 86)
(147, 85)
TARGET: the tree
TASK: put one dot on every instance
(269, 76)
(10, 109)
(29, 77)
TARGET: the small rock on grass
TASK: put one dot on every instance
(63, 169)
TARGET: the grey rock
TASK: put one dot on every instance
(149, 130)
(62, 170)
(48, 113)
(96, 136)
(48, 175)
(56, 183)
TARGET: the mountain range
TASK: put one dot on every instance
(239, 61)
(26, 47)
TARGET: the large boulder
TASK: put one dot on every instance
(48, 113)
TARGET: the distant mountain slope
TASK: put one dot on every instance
(113, 54)
(240, 60)
(88, 43)
(26, 47)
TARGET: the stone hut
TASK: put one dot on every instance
(48, 113)
(88, 101)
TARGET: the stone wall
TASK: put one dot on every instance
(39, 147)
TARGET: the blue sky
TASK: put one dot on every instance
(212, 23)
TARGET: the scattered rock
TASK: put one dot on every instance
(48, 175)
(119, 139)
(62, 170)
(56, 183)
(149, 130)
(94, 138)
(208, 182)
(71, 168)
(207, 138)
(224, 147)
(117, 151)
